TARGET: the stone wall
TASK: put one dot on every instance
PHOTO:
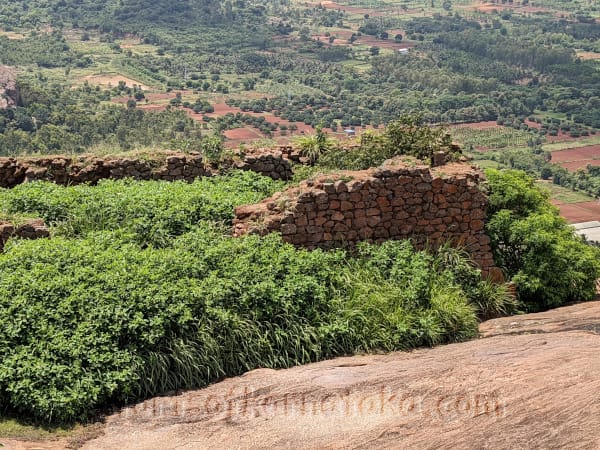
(31, 229)
(168, 166)
(398, 200)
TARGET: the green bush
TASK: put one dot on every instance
(86, 323)
(152, 212)
(316, 145)
(141, 291)
(537, 249)
(408, 135)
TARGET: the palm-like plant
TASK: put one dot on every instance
(315, 145)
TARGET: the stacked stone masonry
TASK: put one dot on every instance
(169, 166)
(398, 200)
(32, 229)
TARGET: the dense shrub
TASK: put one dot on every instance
(537, 249)
(141, 291)
(408, 135)
(152, 212)
(86, 323)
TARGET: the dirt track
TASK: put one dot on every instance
(530, 382)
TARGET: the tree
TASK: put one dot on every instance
(398, 38)
(304, 34)
(374, 51)
(535, 247)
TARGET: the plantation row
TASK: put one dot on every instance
(495, 137)
(141, 290)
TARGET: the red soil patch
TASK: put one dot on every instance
(222, 108)
(152, 107)
(574, 166)
(532, 124)
(579, 212)
(243, 134)
(561, 137)
(577, 158)
(160, 96)
(575, 154)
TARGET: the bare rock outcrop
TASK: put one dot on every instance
(531, 383)
(9, 93)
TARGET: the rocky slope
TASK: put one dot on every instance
(531, 381)
(8, 87)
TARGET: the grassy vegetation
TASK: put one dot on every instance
(140, 291)
(487, 164)
(18, 429)
(565, 195)
(581, 142)
(153, 212)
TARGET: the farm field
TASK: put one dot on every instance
(577, 158)
(579, 211)
(564, 195)
(355, 82)
(484, 136)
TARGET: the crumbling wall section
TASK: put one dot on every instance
(31, 229)
(169, 166)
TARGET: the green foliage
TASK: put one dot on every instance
(149, 213)
(537, 249)
(316, 145)
(53, 119)
(45, 50)
(409, 135)
(491, 138)
(212, 149)
(406, 136)
(467, 67)
(140, 292)
(515, 191)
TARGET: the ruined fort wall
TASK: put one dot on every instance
(399, 200)
(169, 166)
